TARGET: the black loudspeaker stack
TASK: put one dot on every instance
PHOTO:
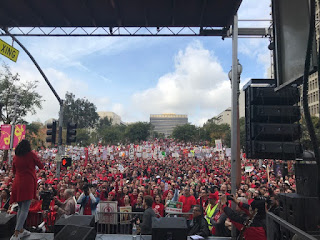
(173, 228)
(75, 227)
(272, 128)
(301, 211)
(7, 224)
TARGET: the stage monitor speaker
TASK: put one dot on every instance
(7, 224)
(76, 232)
(302, 212)
(173, 228)
(307, 178)
(77, 220)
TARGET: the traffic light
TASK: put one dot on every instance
(66, 161)
(51, 132)
(272, 128)
(71, 133)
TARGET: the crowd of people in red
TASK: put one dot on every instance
(164, 169)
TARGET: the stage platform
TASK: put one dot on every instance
(49, 236)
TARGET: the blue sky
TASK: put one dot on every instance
(138, 76)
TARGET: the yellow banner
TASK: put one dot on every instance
(8, 51)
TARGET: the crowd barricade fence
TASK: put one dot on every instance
(278, 228)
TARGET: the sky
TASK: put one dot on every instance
(138, 76)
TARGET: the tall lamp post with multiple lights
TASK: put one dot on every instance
(235, 130)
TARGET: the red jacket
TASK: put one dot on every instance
(188, 202)
(256, 231)
(25, 182)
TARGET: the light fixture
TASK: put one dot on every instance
(239, 71)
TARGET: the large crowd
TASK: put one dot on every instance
(166, 170)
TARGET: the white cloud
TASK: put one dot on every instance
(59, 80)
(257, 10)
(118, 108)
(197, 87)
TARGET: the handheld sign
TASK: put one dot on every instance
(8, 51)
(174, 207)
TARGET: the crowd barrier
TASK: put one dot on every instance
(278, 228)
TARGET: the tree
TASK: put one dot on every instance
(83, 137)
(137, 132)
(227, 140)
(79, 111)
(186, 133)
(113, 134)
(216, 131)
(28, 98)
(104, 122)
(305, 138)
(36, 133)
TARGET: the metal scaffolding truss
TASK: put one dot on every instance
(133, 31)
(114, 31)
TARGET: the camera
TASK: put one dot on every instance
(230, 197)
(47, 197)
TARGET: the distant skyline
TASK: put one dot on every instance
(138, 76)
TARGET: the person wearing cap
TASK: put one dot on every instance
(211, 208)
(256, 212)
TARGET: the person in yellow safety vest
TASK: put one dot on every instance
(213, 203)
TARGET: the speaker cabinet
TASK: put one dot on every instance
(7, 224)
(301, 211)
(76, 220)
(76, 232)
(307, 179)
(169, 228)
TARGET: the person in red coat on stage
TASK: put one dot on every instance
(24, 186)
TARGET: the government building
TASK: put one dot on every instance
(165, 123)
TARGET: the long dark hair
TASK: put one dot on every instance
(23, 148)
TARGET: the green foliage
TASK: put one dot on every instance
(113, 134)
(305, 138)
(29, 99)
(186, 133)
(104, 122)
(216, 131)
(227, 140)
(79, 111)
(35, 134)
(83, 137)
(158, 135)
(137, 132)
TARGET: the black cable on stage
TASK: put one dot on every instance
(306, 110)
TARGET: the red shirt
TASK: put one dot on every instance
(87, 208)
(187, 202)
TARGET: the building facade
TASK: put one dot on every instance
(115, 119)
(165, 123)
(223, 117)
(313, 88)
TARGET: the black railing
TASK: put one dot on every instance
(278, 228)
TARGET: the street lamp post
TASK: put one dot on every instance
(235, 138)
